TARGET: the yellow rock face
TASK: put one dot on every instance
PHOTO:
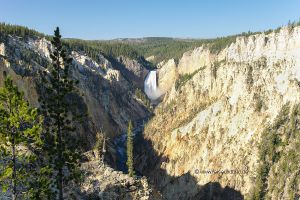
(210, 128)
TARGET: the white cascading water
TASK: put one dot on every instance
(150, 86)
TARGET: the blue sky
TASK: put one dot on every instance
(107, 19)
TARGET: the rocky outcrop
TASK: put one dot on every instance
(193, 60)
(2, 49)
(42, 46)
(209, 129)
(167, 74)
(103, 182)
(132, 70)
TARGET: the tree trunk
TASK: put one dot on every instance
(59, 133)
(60, 184)
(14, 174)
(60, 160)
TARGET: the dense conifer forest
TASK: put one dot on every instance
(162, 48)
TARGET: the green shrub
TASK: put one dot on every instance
(280, 144)
(143, 97)
(182, 79)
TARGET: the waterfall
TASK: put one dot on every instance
(150, 86)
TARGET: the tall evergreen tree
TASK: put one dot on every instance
(56, 105)
(20, 128)
(129, 162)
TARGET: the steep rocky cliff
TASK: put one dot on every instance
(167, 74)
(106, 85)
(227, 127)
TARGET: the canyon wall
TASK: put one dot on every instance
(106, 86)
(206, 135)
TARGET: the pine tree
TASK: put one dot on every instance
(20, 128)
(56, 105)
(129, 162)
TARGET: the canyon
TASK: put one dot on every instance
(215, 121)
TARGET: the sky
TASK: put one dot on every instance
(109, 19)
